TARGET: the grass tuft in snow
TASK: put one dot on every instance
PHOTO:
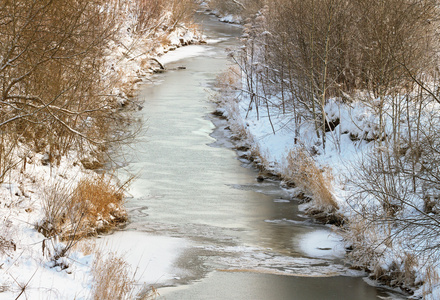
(304, 173)
(95, 205)
(113, 280)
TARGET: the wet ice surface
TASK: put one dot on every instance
(276, 246)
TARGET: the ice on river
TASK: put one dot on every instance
(151, 257)
(181, 53)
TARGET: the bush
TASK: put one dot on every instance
(100, 202)
(244, 8)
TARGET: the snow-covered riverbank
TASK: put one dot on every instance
(273, 141)
(33, 266)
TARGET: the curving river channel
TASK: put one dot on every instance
(202, 227)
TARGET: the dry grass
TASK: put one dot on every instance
(94, 205)
(57, 208)
(7, 244)
(182, 11)
(363, 239)
(112, 278)
(100, 201)
(367, 239)
(7, 161)
(244, 8)
(302, 170)
(230, 79)
(432, 280)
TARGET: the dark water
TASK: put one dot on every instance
(243, 239)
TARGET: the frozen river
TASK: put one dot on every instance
(202, 227)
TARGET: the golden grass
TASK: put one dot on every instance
(94, 205)
(101, 194)
(231, 78)
(302, 170)
(112, 280)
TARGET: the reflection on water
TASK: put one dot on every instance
(191, 189)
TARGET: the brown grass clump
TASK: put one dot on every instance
(432, 280)
(305, 174)
(93, 206)
(112, 278)
(230, 78)
(100, 202)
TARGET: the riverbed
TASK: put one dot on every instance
(201, 225)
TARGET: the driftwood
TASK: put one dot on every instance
(160, 65)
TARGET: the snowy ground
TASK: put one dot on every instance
(151, 257)
(24, 263)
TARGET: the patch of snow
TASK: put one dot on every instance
(322, 244)
(231, 19)
(152, 257)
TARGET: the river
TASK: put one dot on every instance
(201, 225)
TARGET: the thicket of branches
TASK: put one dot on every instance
(54, 85)
(310, 51)
(51, 58)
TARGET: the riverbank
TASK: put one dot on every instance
(276, 147)
(49, 206)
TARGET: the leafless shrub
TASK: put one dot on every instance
(50, 73)
(147, 14)
(181, 11)
(54, 96)
(229, 79)
(243, 8)
(389, 198)
(7, 158)
(305, 52)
